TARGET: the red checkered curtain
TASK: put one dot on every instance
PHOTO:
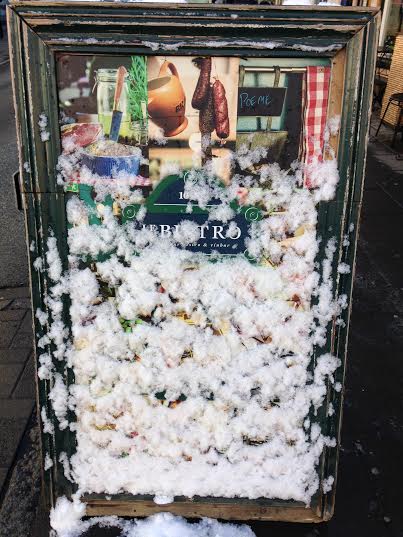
(316, 100)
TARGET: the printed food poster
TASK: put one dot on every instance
(103, 102)
(197, 297)
(270, 110)
(192, 103)
(161, 127)
(182, 112)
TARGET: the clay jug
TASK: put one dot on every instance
(167, 101)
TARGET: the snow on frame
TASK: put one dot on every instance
(42, 123)
(192, 377)
(66, 521)
(177, 45)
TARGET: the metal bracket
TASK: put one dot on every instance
(17, 189)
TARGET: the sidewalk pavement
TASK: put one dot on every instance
(17, 392)
(14, 267)
(4, 49)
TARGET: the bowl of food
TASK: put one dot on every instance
(79, 135)
(108, 158)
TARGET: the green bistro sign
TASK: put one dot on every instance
(166, 208)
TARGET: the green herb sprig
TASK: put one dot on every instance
(137, 91)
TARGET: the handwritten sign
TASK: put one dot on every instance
(260, 101)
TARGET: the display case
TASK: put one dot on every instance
(192, 179)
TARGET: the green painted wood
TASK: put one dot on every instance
(35, 243)
(348, 253)
(37, 166)
(17, 54)
(41, 99)
(45, 214)
(34, 249)
(60, 23)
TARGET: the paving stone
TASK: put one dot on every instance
(23, 339)
(21, 304)
(14, 416)
(378, 203)
(11, 315)
(14, 355)
(4, 304)
(11, 433)
(25, 388)
(14, 292)
(8, 377)
(15, 409)
(7, 332)
(26, 325)
(3, 475)
(21, 502)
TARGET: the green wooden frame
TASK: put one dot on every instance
(39, 29)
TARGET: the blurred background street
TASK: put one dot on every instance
(14, 269)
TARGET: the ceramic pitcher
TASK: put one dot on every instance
(167, 101)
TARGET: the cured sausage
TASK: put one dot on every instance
(206, 127)
(206, 116)
(220, 110)
(201, 92)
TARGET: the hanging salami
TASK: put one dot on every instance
(220, 110)
(201, 92)
(206, 116)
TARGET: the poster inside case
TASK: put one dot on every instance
(180, 117)
(191, 210)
